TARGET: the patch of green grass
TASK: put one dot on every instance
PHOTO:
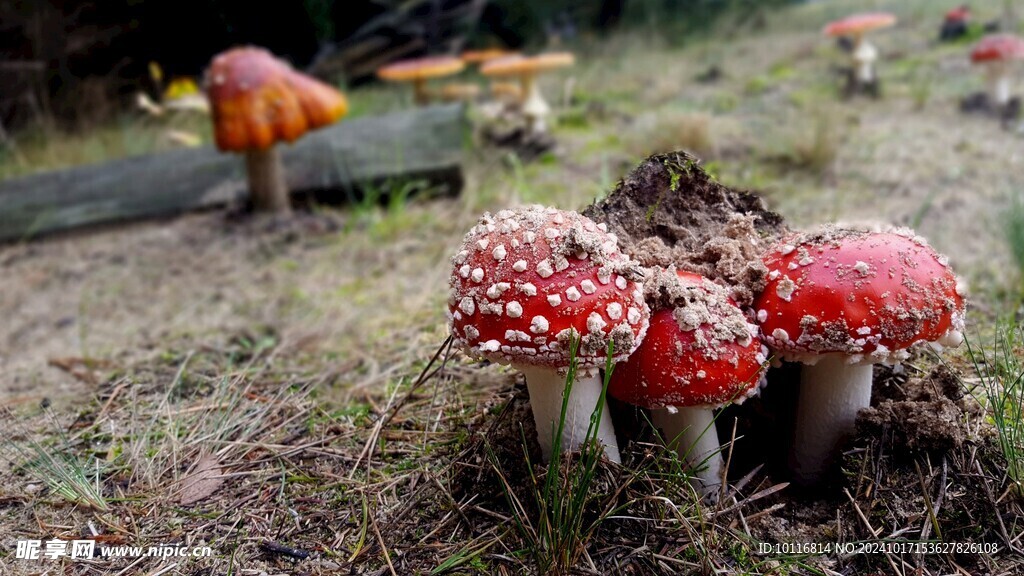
(68, 475)
(564, 523)
(1001, 371)
(1014, 226)
(380, 208)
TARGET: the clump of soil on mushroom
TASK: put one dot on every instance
(670, 211)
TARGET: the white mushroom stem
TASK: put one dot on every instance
(535, 109)
(864, 56)
(831, 394)
(546, 386)
(691, 433)
(998, 76)
(266, 181)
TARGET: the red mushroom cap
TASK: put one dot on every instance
(959, 14)
(699, 351)
(525, 281)
(858, 293)
(998, 47)
(257, 100)
(859, 24)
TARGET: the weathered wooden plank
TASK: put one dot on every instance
(335, 162)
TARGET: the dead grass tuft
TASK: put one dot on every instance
(812, 146)
(660, 133)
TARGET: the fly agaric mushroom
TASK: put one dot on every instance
(532, 105)
(257, 100)
(840, 301)
(699, 354)
(995, 52)
(418, 71)
(526, 284)
(864, 53)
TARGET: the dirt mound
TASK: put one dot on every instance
(670, 211)
(917, 415)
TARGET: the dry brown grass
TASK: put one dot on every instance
(660, 133)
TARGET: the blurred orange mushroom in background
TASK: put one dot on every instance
(419, 70)
(485, 55)
(532, 104)
(864, 53)
(257, 100)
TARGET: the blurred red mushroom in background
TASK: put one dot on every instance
(257, 100)
(955, 23)
(996, 53)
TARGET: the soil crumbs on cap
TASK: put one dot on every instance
(670, 211)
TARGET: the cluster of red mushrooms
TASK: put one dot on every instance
(995, 53)
(536, 287)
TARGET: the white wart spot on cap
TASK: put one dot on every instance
(477, 275)
(516, 336)
(528, 289)
(514, 309)
(539, 325)
(632, 315)
(490, 346)
(614, 310)
(467, 305)
(544, 269)
(519, 266)
(588, 287)
(482, 243)
(595, 323)
(620, 283)
(785, 288)
(496, 290)
(554, 299)
(499, 252)
(572, 294)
